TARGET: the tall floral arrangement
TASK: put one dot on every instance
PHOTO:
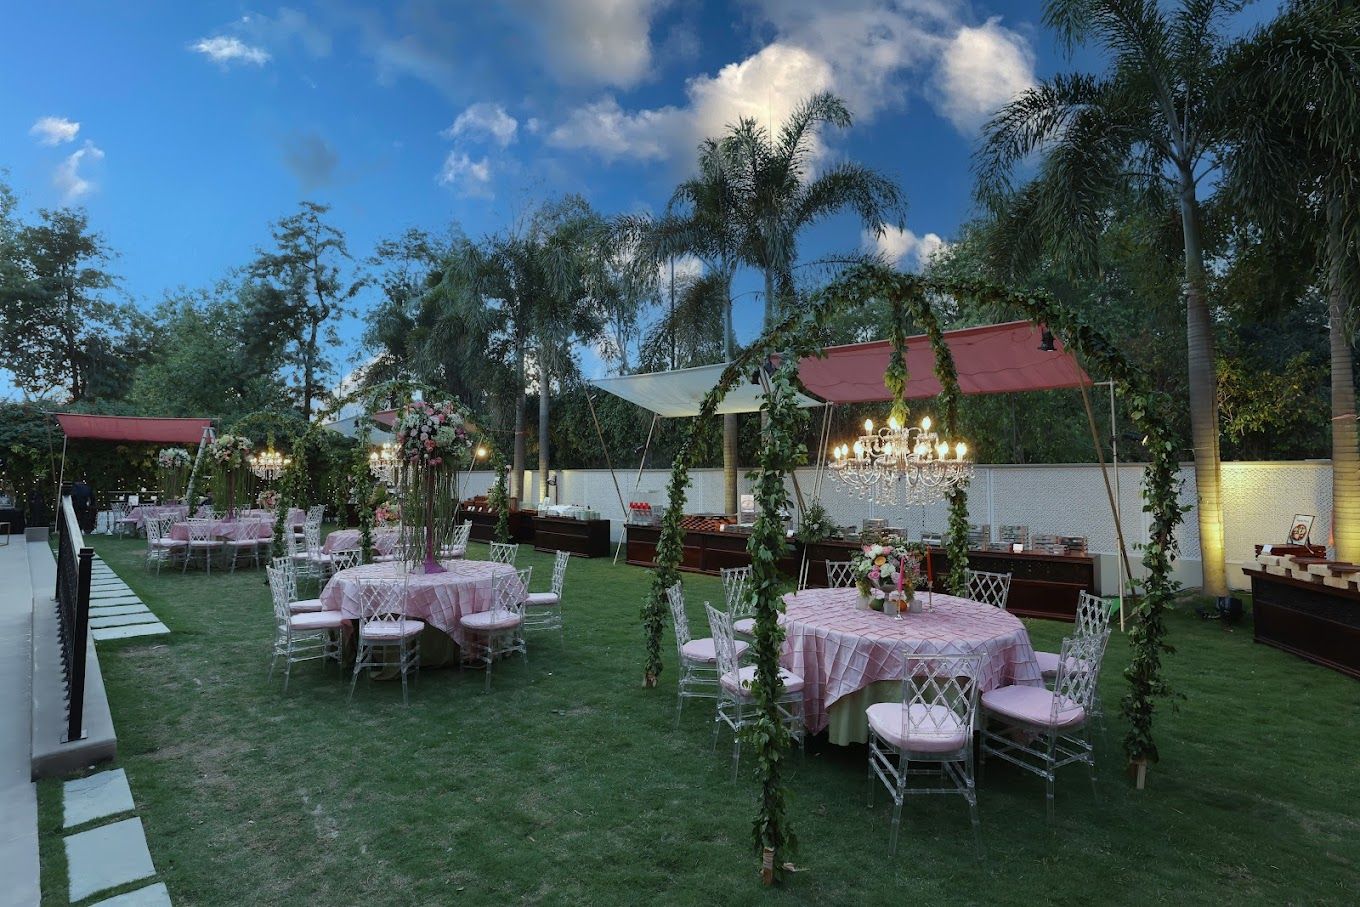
(886, 567)
(432, 445)
(173, 465)
(229, 455)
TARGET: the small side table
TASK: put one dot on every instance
(5, 543)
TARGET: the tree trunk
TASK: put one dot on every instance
(521, 429)
(543, 405)
(1199, 337)
(1345, 437)
(308, 369)
(731, 423)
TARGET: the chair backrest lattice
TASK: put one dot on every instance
(1093, 615)
(840, 574)
(382, 600)
(1079, 662)
(940, 698)
(200, 530)
(736, 584)
(989, 588)
(344, 560)
(282, 589)
(676, 596)
(724, 639)
(559, 574)
(512, 590)
(504, 552)
(288, 567)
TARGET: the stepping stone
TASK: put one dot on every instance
(106, 857)
(150, 896)
(121, 620)
(113, 592)
(104, 794)
(106, 633)
(116, 600)
(119, 609)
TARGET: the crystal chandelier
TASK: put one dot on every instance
(382, 462)
(269, 464)
(899, 464)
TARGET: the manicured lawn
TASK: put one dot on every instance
(569, 784)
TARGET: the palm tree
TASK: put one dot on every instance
(699, 221)
(1145, 128)
(777, 196)
(1295, 165)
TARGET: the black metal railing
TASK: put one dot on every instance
(74, 559)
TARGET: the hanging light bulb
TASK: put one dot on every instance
(893, 424)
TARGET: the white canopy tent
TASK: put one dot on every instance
(679, 393)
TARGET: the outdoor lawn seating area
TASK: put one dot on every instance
(570, 782)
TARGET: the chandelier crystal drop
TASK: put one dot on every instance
(382, 462)
(900, 464)
(268, 464)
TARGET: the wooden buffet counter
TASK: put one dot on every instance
(1307, 618)
(1042, 585)
(484, 525)
(582, 538)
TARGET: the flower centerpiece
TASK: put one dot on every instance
(887, 567)
(432, 445)
(385, 514)
(268, 499)
(173, 464)
(229, 454)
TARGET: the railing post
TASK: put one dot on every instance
(74, 721)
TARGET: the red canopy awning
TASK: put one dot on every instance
(133, 429)
(993, 359)
(385, 417)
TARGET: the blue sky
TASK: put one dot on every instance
(185, 128)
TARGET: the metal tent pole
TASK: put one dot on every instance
(1123, 559)
(1118, 498)
(646, 448)
(599, 432)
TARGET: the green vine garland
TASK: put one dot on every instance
(499, 497)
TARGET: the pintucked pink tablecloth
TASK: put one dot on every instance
(348, 540)
(142, 511)
(439, 599)
(229, 530)
(838, 649)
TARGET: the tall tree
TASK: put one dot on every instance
(701, 221)
(1145, 127)
(777, 195)
(301, 294)
(1293, 97)
(58, 322)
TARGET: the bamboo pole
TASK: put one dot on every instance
(1109, 492)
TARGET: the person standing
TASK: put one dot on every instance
(82, 499)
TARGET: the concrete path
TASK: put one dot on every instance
(18, 795)
(115, 610)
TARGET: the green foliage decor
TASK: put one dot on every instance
(780, 453)
(499, 496)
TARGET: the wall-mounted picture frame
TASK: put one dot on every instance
(1301, 529)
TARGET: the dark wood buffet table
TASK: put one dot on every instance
(484, 525)
(1308, 619)
(582, 538)
(1042, 585)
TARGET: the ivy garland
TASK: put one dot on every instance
(780, 452)
(364, 487)
(499, 497)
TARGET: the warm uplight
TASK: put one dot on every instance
(481, 453)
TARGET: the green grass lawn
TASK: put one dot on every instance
(569, 784)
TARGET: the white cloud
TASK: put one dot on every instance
(595, 42)
(871, 53)
(466, 175)
(484, 119)
(226, 50)
(68, 177)
(982, 69)
(899, 247)
(54, 130)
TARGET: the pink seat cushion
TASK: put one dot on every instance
(388, 629)
(495, 619)
(1048, 663)
(319, 620)
(170, 543)
(1032, 706)
(543, 599)
(703, 650)
(741, 683)
(244, 543)
(306, 606)
(746, 626)
(919, 728)
(455, 551)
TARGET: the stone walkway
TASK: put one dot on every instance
(18, 795)
(115, 610)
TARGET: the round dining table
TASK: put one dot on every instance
(850, 658)
(384, 540)
(439, 599)
(237, 530)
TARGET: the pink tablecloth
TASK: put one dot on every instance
(142, 511)
(231, 530)
(838, 649)
(440, 599)
(348, 540)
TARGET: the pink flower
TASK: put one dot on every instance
(436, 461)
(429, 445)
